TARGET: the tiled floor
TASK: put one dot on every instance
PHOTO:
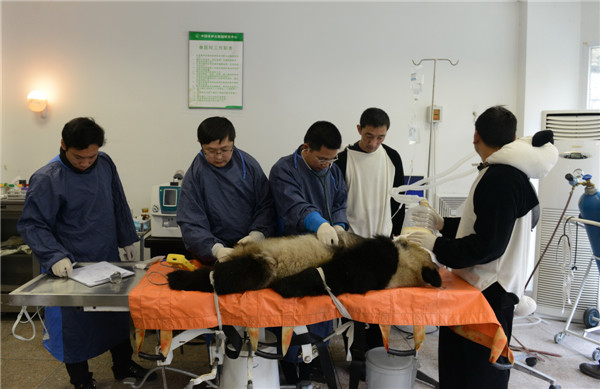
(27, 365)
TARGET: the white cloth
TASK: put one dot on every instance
(369, 178)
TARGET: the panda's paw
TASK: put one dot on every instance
(431, 276)
(197, 280)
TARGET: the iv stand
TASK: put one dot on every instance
(435, 61)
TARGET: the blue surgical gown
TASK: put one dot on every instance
(223, 204)
(84, 217)
(299, 191)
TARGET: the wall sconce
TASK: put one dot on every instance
(37, 102)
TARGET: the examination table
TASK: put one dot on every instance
(153, 306)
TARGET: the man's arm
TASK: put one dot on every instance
(264, 219)
(290, 199)
(496, 206)
(340, 197)
(37, 221)
(192, 218)
(126, 234)
(398, 210)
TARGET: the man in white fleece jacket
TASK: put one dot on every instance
(487, 245)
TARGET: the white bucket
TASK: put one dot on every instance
(265, 372)
(390, 371)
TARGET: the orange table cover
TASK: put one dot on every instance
(458, 304)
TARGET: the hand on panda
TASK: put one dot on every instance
(327, 234)
(221, 252)
(253, 236)
(424, 239)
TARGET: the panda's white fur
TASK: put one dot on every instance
(288, 265)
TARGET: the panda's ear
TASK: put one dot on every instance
(542, 137)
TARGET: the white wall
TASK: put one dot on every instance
(125, 64)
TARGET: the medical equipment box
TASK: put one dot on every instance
(163, 210)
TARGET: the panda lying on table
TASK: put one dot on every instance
(289, 266)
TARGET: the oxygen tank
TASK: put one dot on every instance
(589, 207)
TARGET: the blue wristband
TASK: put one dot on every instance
(313, 221)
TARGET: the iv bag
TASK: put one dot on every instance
(416, 81)
(414, 135)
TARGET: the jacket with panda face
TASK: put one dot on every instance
(490, 243)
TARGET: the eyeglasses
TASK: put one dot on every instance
(324, 161)
(214, 153)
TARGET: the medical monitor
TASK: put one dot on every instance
(169, 198)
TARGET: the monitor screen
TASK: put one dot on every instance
(169, 197)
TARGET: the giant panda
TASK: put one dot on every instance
(289, 266)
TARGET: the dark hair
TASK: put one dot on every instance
(82, 132)
(215, 128)
(374, 117)
(323, 133)
(497, 126)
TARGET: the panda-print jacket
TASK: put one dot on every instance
(488, 243)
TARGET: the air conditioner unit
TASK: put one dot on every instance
(451, 205)
(576, 133)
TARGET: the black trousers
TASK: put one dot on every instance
(464, 364)
(79, 373)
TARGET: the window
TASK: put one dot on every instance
(593, 97)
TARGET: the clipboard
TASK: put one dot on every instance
(99, 273)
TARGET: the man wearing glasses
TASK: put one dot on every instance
(310, 196)
(309, 190)
(225, 196)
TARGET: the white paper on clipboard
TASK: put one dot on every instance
(98, 273)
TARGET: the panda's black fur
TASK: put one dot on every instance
(288, 265)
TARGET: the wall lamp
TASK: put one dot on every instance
(38, 102)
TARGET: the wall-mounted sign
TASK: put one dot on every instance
(215, 70)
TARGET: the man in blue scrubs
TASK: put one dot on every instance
(225, 196)
(310, 197)
(76, 210)
(309, 189)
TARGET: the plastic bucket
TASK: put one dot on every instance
(390, 371)
(265, 372)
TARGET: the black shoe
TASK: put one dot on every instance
(133, 370)
(591, 369)
(91, 384)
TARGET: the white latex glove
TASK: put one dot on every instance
(427, 216)
(327, 234)
(63, 268)
(253, 236)
(130, 252)
(221, 252)
(337, 227)
(424, 239)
